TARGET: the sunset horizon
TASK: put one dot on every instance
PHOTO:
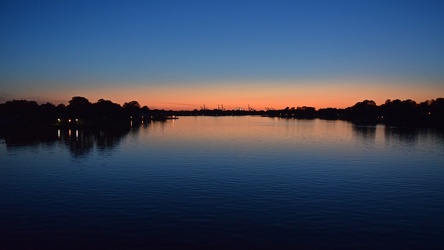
(176, 55)
(182, 99)
(234, 124)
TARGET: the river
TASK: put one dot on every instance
(223, 183)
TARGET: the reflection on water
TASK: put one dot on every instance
(82, 141)
(366, 132)
(16, 138)
(411, 137)
(223, 183)
(79, 141)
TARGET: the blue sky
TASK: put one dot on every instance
(56, 49)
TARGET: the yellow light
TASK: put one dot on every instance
(69, 120)
(59, 120)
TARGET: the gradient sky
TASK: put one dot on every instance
(186, 54)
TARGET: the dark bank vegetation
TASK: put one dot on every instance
(406, 113)
(81, 112)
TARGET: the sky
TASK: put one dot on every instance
(186, 54)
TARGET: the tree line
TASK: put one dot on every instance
(80, 111)
(392, 112)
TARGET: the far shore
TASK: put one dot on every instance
(104, 113)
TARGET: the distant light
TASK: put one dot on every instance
(131, 117)
(77, 120)
(429, 113)
(59, 120)
(69, 120)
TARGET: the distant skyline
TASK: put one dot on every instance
(186, 54)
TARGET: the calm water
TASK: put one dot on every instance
(223, 183)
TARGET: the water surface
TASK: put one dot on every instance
(223, 183)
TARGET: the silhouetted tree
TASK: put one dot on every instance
(78, 101)
(106, 112)
(363, 112)
(48, 112)
(132, 108)
(131, 104)
(330, 113)
(436, 112)
(79, 108)
(144, 109)
(61, 111)
(400, 112)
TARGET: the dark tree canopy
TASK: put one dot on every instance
(104, 112)
(78, 101)
(131, 105)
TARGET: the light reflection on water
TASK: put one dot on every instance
(224, 182)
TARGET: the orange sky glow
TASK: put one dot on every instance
(182, 56)
(232, 95)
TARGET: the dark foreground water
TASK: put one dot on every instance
(223, 183)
